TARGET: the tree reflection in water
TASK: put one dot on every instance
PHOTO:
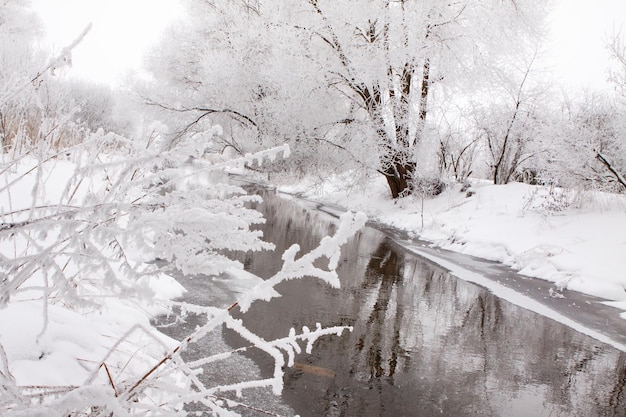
(382, 327)
(424, 343)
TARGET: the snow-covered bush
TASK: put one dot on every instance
(82, 228)
(582, 145)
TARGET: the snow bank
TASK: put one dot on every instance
(75, 340)
(575, 239)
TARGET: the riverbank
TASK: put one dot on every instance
(573, 239)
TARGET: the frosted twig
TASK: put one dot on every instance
(297, 268)
(329, 247)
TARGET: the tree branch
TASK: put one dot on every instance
(207, 111)
(618, 176)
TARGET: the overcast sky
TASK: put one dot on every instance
(121, 32)
(580, 29)
(123, 29)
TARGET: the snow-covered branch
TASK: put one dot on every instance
(304, 266)
(329, 247)
(605, 161)
(77, 234)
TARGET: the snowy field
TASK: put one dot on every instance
(577, 240)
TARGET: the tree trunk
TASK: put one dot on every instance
(399, 176)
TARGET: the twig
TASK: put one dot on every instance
(106, 368)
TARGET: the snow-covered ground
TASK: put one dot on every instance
(575, 239)
(75, 341)
(52, 344)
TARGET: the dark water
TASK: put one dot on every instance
(424, 343)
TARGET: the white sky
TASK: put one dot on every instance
(580, 29)
(122, 29)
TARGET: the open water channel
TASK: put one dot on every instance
(424, 342)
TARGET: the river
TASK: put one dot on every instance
(424, 342)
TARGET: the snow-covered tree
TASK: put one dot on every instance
(18, 29)
(36, 106)
(355, 75)
(617, 168)
(230, 64)
(511, 127)
(459, 148)
(406, 53)
(591, 152)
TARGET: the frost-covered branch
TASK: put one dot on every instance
(132, 397)
(202, 113)
(75, 234)
(304, 266)
(155, 211)
(329, 248)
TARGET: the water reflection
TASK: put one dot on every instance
(424, 343)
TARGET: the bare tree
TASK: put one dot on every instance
(596, 143)
(617, 49)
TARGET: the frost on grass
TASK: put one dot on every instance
(86, 236)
